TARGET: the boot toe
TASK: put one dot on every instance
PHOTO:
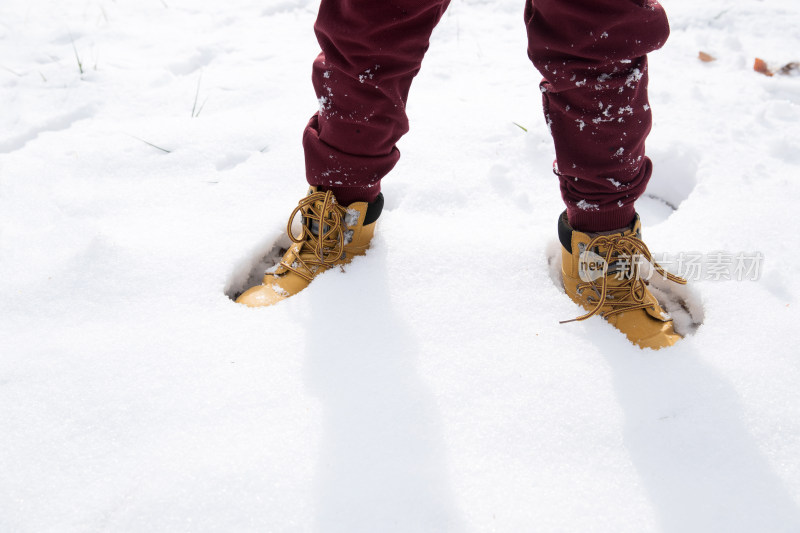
(646, 332)
(262, 295)
(658, 341)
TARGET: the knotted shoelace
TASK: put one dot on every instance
(631, 292)
(325, 248)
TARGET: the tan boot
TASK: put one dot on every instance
(331, 236)
(602, 274)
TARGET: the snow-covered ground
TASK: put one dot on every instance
(428, 388)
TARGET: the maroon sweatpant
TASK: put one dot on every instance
(592, 54)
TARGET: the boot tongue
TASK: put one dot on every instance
(351, 219)
(308, 250)
(312, 223)
(593, 263)
(620, 266)
(313, 226)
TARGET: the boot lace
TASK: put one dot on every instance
(326, 247)
(631, 291)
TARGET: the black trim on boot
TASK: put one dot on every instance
(565, 231)
(374, 210)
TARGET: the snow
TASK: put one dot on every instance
(429, 387)
(587, 206)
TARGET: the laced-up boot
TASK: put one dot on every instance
(331, 235)
(602, 273)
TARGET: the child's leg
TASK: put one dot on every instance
(592, 54)
(371, 51)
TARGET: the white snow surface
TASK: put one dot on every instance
(429, 387)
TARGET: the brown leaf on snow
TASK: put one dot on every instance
(706, 58)
(761, 66)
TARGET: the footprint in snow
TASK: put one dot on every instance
(673, 180)
(51, 124)
(251, 269)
